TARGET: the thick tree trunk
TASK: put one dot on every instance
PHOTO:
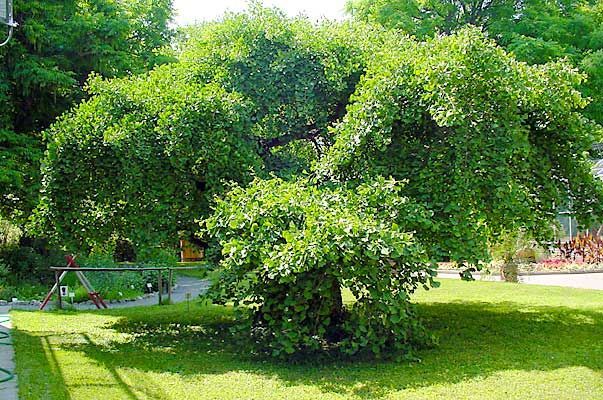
(335, 333)
(337, 309)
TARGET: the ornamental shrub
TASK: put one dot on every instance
(290, 247)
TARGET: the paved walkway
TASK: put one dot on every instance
(184, 285)
(580, 281)
(8, 389)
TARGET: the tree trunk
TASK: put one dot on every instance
(335, 333)
(337, 309)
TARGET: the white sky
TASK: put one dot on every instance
(191, 11)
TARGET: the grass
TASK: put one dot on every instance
(206, 272)
(497, 341)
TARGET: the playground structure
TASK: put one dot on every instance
(95, 297)
(59, 275)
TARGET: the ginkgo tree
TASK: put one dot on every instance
(361, 157)
(478, 142)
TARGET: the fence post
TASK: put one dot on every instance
(169, 285)
(57, 282)
(160, 286)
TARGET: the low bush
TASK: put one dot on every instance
(22, 291)
(289, 248)
(31, 261)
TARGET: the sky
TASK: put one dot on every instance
(191, 11)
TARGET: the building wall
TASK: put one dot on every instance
(190, 252)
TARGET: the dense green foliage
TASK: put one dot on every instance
(141, 159)
(24, 264)
(44, 67)
(297, 77)
(481, 143)
(289, 247)
(497, 341)
(536, 31)
(485, 142)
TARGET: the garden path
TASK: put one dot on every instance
(8, 381)
(573, 280)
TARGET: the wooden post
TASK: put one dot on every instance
(57, 282)
(160, 286)
(169, 285)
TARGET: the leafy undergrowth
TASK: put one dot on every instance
(497, 341)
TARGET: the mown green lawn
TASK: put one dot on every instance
(497, 341)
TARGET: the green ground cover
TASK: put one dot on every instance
(497, 341)
(205, 271)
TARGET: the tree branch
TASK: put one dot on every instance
(268, 144)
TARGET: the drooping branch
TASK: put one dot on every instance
(313, 134)
(268, 144)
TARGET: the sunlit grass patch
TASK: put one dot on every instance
(496, 341)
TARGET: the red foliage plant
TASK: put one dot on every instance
(587, 248)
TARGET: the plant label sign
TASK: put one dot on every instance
(64, 291)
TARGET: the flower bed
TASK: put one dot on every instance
(558, 265)
(547, 265)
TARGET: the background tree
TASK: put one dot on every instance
(44, 68)
(426, 18)
(536, 31)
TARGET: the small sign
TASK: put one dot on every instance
(64, 291)
(72, 294)
(188, 296)
(150, 285)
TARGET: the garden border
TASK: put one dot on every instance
(577, 272)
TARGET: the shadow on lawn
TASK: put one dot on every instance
(37, 362)
(476, 339)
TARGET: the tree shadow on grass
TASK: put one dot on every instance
(37, 363)
(476, 340)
